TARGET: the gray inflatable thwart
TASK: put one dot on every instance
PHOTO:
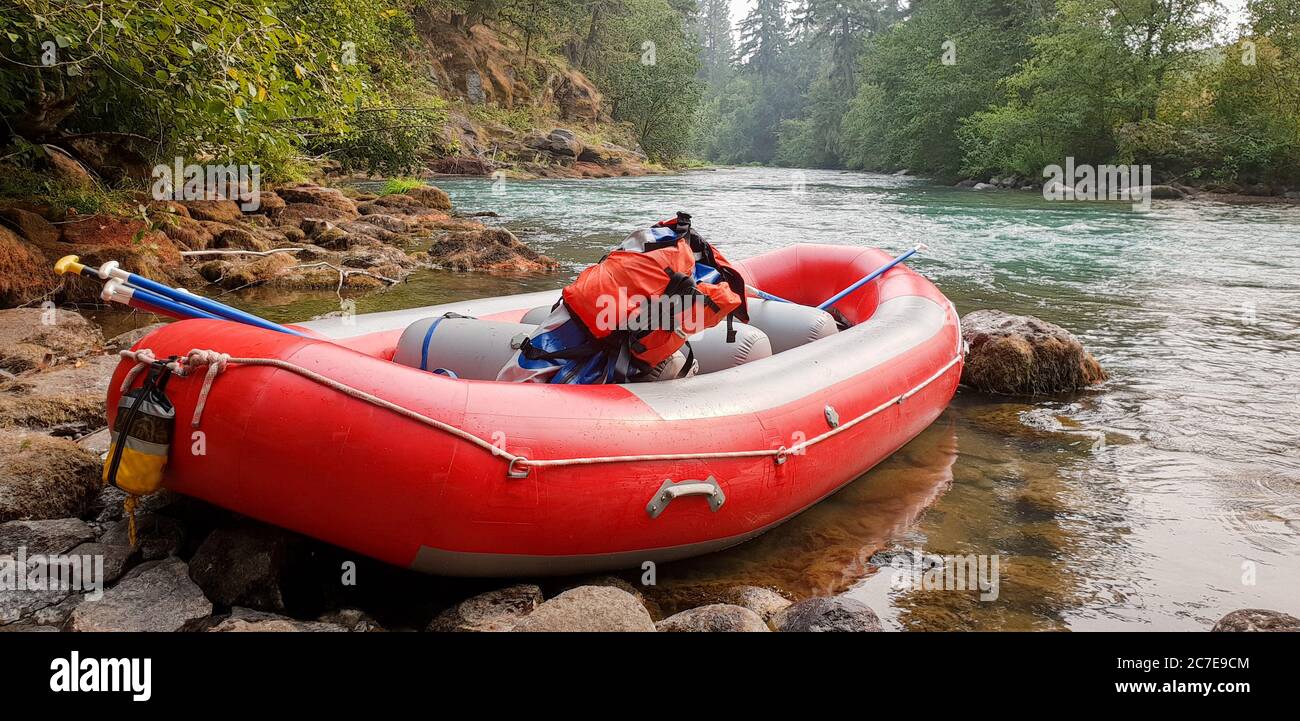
(477, 349)
(788, 325)
(472, 349)
(715, 354)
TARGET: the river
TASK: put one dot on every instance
(1160, 500)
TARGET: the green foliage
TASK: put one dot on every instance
(647, 65)
(233, 80)
(22, 183)
(925, 75)
(394, 186)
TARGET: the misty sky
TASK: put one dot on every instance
(1235, 9)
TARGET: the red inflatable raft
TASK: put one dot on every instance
(482, 478)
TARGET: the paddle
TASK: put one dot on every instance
(173, 301)
(826, 304)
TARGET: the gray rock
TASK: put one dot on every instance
(497, 610)
(117, 559)
(713, 618)
(1257, 619)
(1165, 192)
(44, 537)
(828, 613)
(24, 605)
(250, 620)
(763, 601)
(589, 608)
(560, 141)
(98, 443)
(246, 565)
(154, 597)
(1057, 188)
(157, 536)
(1024, 355)
(122, 341)
(966, 183)
(983, 186)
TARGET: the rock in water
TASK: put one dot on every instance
(44, 477)
(154, 597)
(496, 610)
(589, 608)
(828, 613)
(763, 601)
(1022, 355)
(1257, 619)
(713, 618)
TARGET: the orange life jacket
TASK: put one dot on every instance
(645, 293)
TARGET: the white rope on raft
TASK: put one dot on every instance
(217, 362)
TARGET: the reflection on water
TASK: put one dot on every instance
(1162, 500)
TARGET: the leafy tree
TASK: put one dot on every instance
(235, 80)
(647, 64)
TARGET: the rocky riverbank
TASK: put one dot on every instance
(302, 236)
(1248, 194)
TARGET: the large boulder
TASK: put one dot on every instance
(316, 195)
(44, 477)
(494, 250)
(561, 142)
(1023, 355)
(35, 338)
(153, 597)
(217, 211)
(293, 214)
(589, 608)
(70, 395)
(497, 610)
(713, 618)
(828, 613)
(1257, 619)
(431, 197)
(30, 226)
(248, 565)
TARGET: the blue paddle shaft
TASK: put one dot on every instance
(211, 307)
(157, 304)
(874, 274)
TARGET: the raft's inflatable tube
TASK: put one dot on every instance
(764, 440)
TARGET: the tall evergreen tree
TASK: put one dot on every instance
(716, 40)
(764, 38)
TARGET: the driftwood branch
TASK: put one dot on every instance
(187, 253)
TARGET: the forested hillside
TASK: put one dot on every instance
(960, 88)
(950, 88)
(381, 86)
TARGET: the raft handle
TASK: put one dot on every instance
(668, 491)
